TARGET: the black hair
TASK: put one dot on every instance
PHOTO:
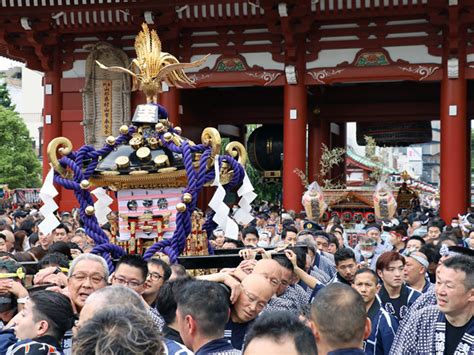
(284, 261)
(300, 257)
(61, 247)
(54, 259)
(72, 245)
(166, 300)
(333, 240)
(435, 224)
(465, 264)
(238, 243)
(416, 237)
(3, 236)
(62, 226)
(134, 261)
(321, 234)
(336, 228)
(367, 271)
(343, 254)
(432, 253)
(164, 265)
(287, 229)
(279, 326)
(56, 309)
(27, 225)
(207, 302)
(33, 239)
(400, 229)
(250, 230)
(340, 315)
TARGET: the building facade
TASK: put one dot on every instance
(312, 65)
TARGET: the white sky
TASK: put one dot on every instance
(6, 63)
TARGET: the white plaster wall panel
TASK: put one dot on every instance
(333, 57)
(412, 54)
(78, 70)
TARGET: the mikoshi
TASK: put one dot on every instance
(156, 172)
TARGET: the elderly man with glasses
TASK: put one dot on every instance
(87, 273)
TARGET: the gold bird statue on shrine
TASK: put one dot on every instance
(152, 66)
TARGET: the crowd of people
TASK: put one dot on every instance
(406, 287)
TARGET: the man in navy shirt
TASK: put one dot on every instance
(202, 314)
(339, 320)
(279, 332)
(256, 291)
(384, 325)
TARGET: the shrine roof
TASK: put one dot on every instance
(30, 30)
(368, 164)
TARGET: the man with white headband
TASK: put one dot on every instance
(414, 272)
(429, 298)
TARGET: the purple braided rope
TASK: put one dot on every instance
(183, 219)
(156, 248)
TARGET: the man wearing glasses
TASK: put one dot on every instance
(158, 273)
(132, 271)
(87, 273)
(255, 292)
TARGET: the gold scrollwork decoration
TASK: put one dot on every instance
(63, 146)
(211, 137)
(237, 150)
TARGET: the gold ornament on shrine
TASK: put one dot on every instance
(152, 66)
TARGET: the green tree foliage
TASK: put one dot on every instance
(5, 100)
(265, 191)
(19, 167)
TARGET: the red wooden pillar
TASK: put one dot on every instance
(171, 100)
(454, 145)
(318, 134)
(52, 108)
(294, 137)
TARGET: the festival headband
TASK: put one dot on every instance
(372, 227)
(425, 263)
(444, 251)
(19, 274)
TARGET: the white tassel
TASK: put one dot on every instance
(102, 204)
(47, 194)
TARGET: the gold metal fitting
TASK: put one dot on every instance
(167, 170)
(187, 198)
(153, 143)
(85, 184)
(136, 142)
(122, 162)
(161, 160)
(110, 140)
(138, 172)
(167, 136)
(144, 154)
(90, 210)
(178, 130)
(159, 127)
(180, 207)
(124, 129)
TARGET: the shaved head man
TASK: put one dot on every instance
(255, 293)
(271, 270)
